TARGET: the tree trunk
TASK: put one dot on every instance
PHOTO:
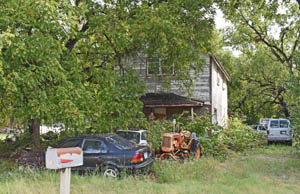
(34, 128)
(284, 107)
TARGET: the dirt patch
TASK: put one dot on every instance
(281, 156)
(284, 158)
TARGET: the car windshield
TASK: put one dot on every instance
(120, 142)
(131, 136)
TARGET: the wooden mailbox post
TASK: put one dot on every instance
(64, 159)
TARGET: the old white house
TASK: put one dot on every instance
(209, 93)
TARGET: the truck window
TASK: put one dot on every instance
(274, 124)
(144, 136)
(284, 124)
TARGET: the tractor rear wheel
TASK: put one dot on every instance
(196, 149)
(198, 152)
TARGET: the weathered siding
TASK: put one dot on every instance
(200, 91)
(219, 96)
(206, 87)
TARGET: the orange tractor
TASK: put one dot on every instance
(181, 145)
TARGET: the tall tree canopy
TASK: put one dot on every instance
(258, 87)
(274, 24)
(267, 33)
(64, 60)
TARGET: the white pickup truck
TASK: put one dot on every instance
(137, 136)
(276, 130)
(279, 130)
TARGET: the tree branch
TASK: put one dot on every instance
(71, 43)
(295, 45)
(279, 54)
(298, 1)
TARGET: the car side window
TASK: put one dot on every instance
(262, 128)
(71, 143)
(274, 124)
(94, 146)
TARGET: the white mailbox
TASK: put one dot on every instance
(57, 158)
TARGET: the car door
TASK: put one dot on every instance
(94, 151)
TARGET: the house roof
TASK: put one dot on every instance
(152, 100)
(220, 66)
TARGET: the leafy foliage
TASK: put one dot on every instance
(267, 33)
(215, 140)
(67, 61)
(259, 86)
(240, 137)
(255, 24)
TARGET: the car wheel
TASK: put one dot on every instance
(290, 143)
(110, 171)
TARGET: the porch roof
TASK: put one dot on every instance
(152, 100)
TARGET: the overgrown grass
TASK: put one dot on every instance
(274, 169)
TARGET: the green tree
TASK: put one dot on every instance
(274, 24)
(258, 87)
(66, 60)
(267, 33)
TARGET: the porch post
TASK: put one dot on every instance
(192, 113)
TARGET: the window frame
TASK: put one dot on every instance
(273, 121)
(160, 67)
(218, 78)
(223, 85)
(70, 140)
(284, 121)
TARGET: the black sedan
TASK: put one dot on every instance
(111, 154)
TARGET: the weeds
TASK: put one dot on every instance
(269, 170)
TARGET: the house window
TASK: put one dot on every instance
(218, 78)
(224, 85)
(160, 113)
(157, 66)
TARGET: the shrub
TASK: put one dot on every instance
(215, 140)
(240, 137)
(157, 129)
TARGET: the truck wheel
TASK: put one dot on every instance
(269, 142)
